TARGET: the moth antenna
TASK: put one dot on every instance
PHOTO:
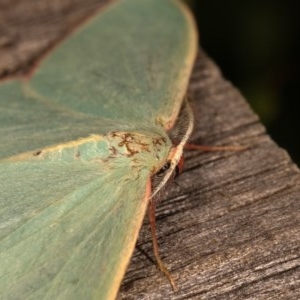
(176, 152)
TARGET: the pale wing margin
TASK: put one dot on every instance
(61, 225)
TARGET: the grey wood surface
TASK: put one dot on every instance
(229, 226)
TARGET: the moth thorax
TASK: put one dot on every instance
(145, 149)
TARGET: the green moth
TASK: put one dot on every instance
(80, 139)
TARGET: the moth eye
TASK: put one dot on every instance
(165, 167)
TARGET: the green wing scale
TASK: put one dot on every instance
(65, 234)
(80, 140)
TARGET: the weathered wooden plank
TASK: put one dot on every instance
(28, 28)
(229, 227)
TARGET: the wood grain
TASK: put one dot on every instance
(229, 227)
(28, 28)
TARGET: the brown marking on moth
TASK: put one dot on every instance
(77, 154)
(159, 141)
(113, 150)
(37, 153)
(145, 147)
(128, 139)
(131, 152)
(153, 170)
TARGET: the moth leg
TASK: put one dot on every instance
(213, 148)
(160, 264)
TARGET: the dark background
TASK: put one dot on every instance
(256, 45)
